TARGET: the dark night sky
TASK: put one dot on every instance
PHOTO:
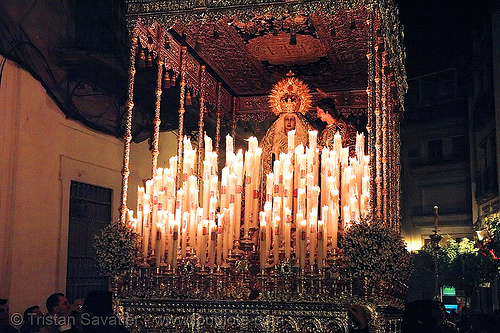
(438, 33)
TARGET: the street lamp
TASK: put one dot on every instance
(435, 239)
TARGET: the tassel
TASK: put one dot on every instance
(142, 60)
(166, 81)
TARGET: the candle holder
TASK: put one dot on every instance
(263, 277)
(301, 283)
(236, 251)
(201, 286)
(321, 281)
(246, 244)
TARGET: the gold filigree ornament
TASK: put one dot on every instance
(290, 95)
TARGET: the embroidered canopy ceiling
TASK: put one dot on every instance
(79, 52)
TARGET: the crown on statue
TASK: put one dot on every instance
(290, 95)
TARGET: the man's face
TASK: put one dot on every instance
(63, 308)
(4, 313)
(289, 120)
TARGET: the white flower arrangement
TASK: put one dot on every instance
(376, 252)
(116, 249)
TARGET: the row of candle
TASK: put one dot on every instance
(171, 220)
(312, 235)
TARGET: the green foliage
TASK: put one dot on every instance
(421, 284)
(116, 249)
(493, 226)
(459, 264)
(491, 246)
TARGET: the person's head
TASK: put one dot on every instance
(30, 314)
(58, 304)
(4, 311)
(98, 303)
(289, 122)
(325, 107)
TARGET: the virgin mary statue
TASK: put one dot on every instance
(290, 99)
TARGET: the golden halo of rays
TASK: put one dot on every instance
(290, 85)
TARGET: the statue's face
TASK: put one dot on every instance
(289, 122)
(290, 102)
(321, 114)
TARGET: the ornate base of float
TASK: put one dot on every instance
(167, 315)
(152, 300)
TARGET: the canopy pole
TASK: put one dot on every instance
(128, 130)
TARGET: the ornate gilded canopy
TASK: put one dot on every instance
(250, 45)
(225, 56)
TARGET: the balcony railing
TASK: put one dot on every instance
(442, 210)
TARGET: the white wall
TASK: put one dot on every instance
(41, 152)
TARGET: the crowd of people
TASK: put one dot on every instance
(95, 315)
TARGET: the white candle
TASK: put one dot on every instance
(354, 207)
(224, 202)
(175, 240)
(252, 144)
(302, 171)
(248, 191)
(229, 145)
(154, 217)
(227, 231)
(276, 177)
(346, 216)
(313, 139)
(170, 238)
(288, 229)
(212, 244)
(334, 226)
(301, 200)
(268, 213)
(206, 188)
(239, 192)
(291, 140)
(220, 243)
(204, 240)
(313, 239)
(344, 156)
(337, 142)
(263, 240)
(208, 144)
(170, 195)
(231, 189)
(184, 232)
(269, 186)
(149, 187)
(302, 244)
(213, 209)
(140, 208)
(145, 232)
(256, 187)
(199, 239)
(173, 166)
(276, 239)
(298, 219)
(287, 190)
(321, 244)
(159, 239)
(192, 228)
(360, 144)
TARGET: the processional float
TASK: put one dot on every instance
(228, 239)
